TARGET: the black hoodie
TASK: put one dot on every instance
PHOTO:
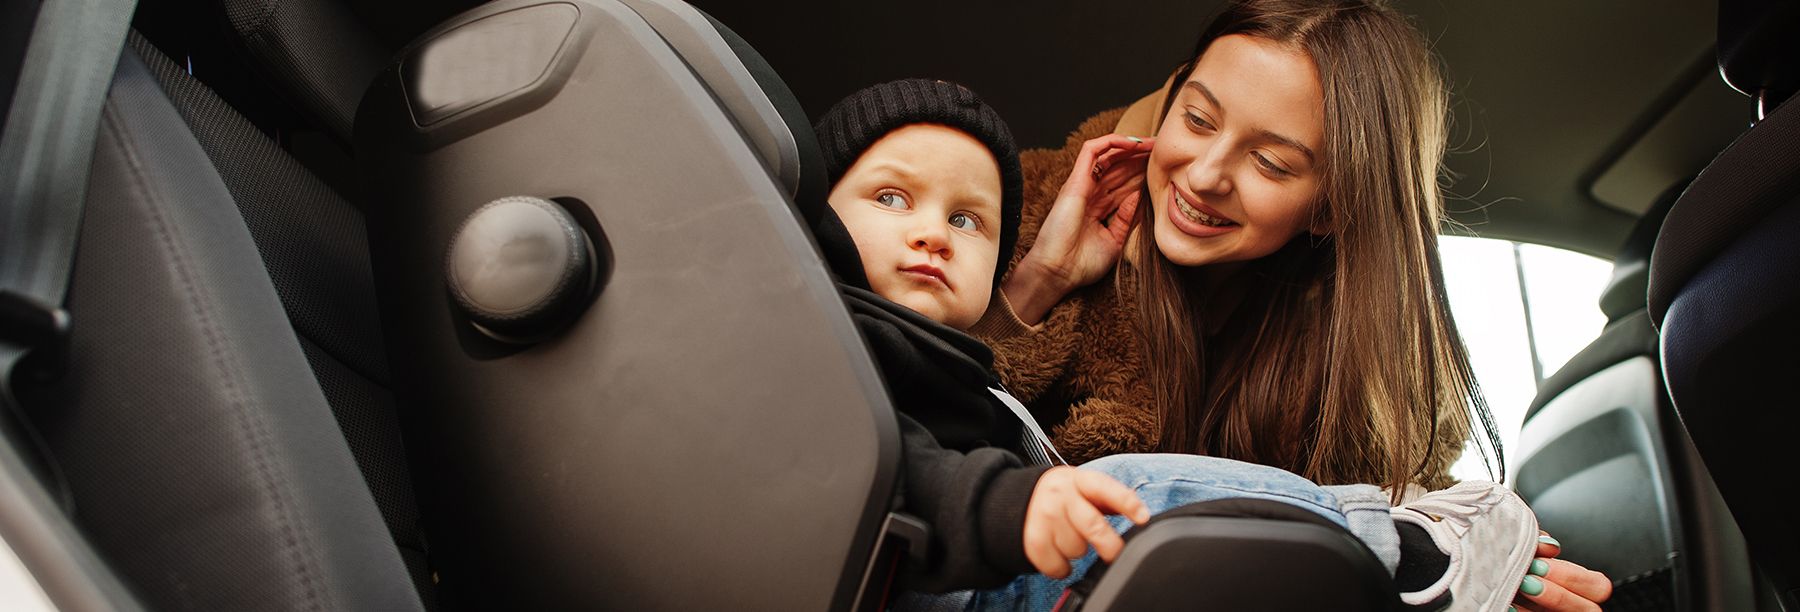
(960, 470)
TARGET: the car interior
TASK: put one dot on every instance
(310, 304)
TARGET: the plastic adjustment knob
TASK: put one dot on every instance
(520, 268)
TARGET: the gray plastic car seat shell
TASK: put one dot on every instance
(710, 432)
(1237, 554)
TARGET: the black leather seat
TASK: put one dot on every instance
(310, 238)
(201, 455)
(1724, 297)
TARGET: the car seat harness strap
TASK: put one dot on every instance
(1041, 453)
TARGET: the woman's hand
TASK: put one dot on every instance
(1067, 513)
(1086, 228)
(1563, 585)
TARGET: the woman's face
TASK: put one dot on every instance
(1236, 168)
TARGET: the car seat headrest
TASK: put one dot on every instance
(1627, 291)
(1758, 41)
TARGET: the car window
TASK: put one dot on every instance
(1523, 310)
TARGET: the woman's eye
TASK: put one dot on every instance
(965, 221)
(1196, 121)
(893, 200)
(1269, 165)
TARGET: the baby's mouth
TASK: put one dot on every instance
(1194, 214)
(927, 270)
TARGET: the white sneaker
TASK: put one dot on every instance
(1490, 536)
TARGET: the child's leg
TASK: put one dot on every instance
(1367, 513)
(1165, 482)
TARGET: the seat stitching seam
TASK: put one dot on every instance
(255, 432)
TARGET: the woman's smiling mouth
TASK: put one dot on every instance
(1196, 219)
(1197, 215)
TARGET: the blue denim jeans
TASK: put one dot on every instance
(1169, 481)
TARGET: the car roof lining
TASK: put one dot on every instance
(1546, 97)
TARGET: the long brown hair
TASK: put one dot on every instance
(1341, 363)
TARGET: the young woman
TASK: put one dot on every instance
(1262, 282)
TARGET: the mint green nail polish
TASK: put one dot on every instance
(1135, 139)
(1549, 540)
(1511, 609)
(1532, 586)
(1539, 568)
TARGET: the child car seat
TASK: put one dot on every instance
(628, 369)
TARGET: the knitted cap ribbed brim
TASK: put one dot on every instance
(856, 122)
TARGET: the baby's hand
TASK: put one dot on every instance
(1067, 514)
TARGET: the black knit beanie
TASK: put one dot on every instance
(856, 122)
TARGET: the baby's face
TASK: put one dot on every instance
(923, 206)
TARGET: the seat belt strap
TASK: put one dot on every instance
(46, 149)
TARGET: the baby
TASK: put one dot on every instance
(925, 197)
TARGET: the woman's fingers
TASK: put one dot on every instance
(1547, 546)
(1096, 155)
(1123, 168)
(1584, 582)
(1126, 177)
(1124, 186)
(1552, 597)
(1110, 158)
(1125, 218)
(1566, 587)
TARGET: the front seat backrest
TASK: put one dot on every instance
(1724, 295)
(315, 247)
(202, 457)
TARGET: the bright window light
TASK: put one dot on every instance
(1490, 283)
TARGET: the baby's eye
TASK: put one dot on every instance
(893, 200)
(965, 221)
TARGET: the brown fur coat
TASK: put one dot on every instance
(1083, 359)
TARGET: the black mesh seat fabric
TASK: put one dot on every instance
(312, 50)
(202, 457)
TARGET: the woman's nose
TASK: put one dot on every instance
(1210, 170)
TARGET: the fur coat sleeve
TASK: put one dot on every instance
(1081, 369)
